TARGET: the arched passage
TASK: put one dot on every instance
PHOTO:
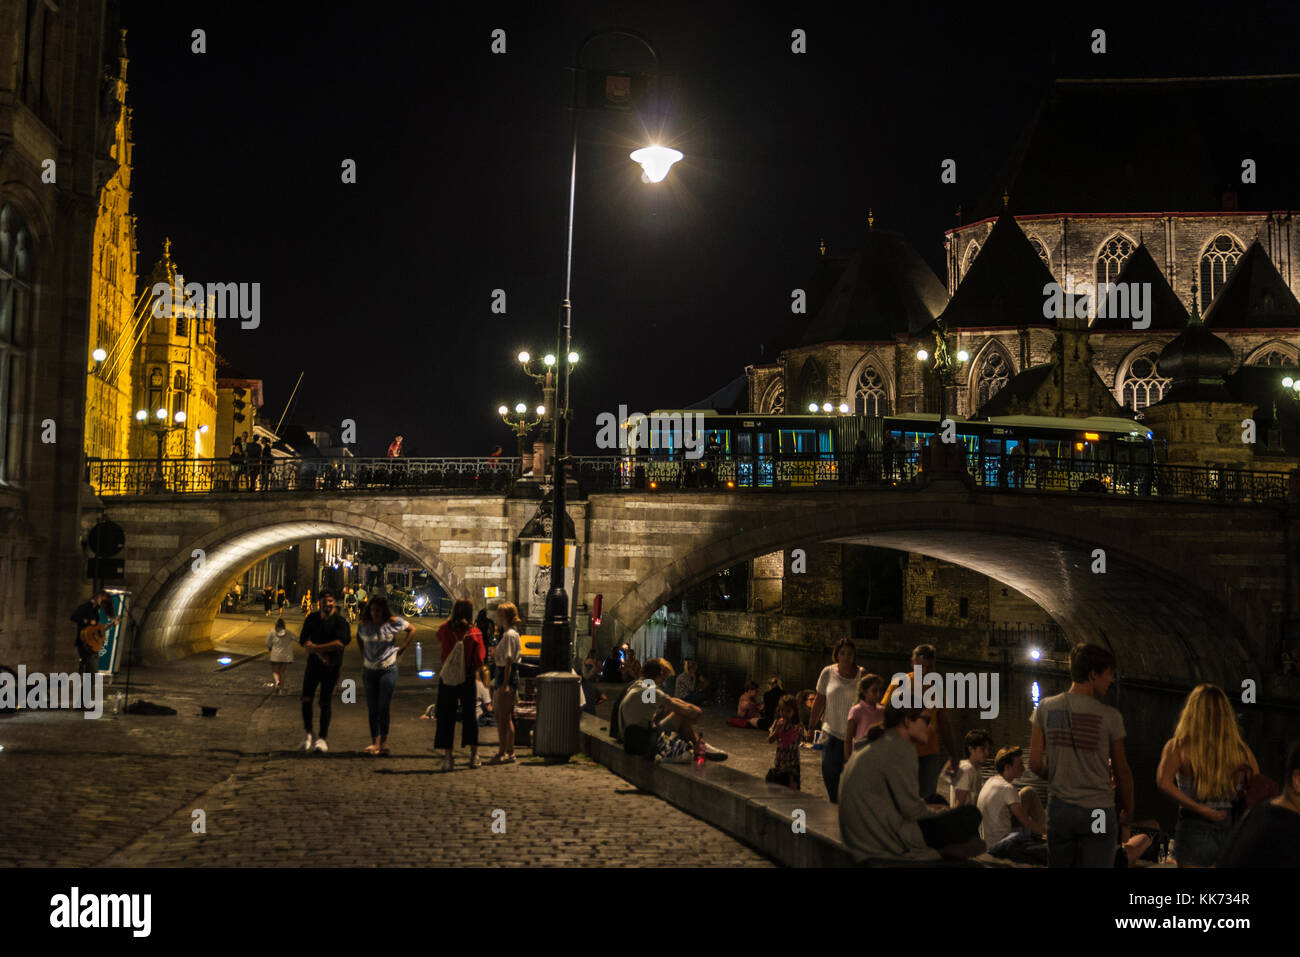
(1163, 625)
(180, 601)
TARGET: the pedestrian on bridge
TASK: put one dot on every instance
(457, 685)
(324, 635)
(383, 637)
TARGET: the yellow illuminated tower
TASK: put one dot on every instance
(112, 282)
(175, 369)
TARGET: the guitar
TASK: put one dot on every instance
(92, 636)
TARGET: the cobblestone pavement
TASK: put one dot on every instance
(121, 790)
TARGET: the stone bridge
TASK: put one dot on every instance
(1192, 590)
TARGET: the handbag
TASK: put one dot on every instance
(1255, 789)
(453, 669)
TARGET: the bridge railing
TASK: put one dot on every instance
(615, 473)
(907, 468)
(206, 476)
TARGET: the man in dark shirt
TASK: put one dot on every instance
(1269, 835)
(324, 633)
(87, 613)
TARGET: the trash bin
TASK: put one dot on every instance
(558, 716)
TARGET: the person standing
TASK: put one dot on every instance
(86, 614)
(787, 732)
(237, 456)
(507, 653)
(1200, 768)
(459, 630)
(1073, 737)
(281, 599)
(395, 448)
(837, 688)
(939, 729)
(324, 635)
(254, 453)
(280, 645)
(383, 637)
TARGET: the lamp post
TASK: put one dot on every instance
(160, 427)
(518, 420)
(946, 363)
(557, 628)
(546, 380)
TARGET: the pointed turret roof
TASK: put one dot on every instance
(1004, 286)
(1167, 311)
(884, 290)
(1254, 297)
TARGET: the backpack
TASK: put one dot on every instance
(453, 669)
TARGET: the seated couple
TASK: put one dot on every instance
(882, 814)
(655, 724)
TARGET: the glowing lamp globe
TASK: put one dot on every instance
(141, 415)
(844, 408)
(541, 410)
(827, 407)
(1287, 382)
(963, 356)
(524, 357)
(180, 416)
(655, 161)
(573, 358)
(922, 354)
(99, 355)
(812, 406)
(502, 410)
(161, 413)
(521, 408)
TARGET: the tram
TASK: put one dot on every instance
(767, 450)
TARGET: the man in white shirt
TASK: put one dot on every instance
(1003, 807)
(970, 773)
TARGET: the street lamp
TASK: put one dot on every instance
(161, 428)
(557, 629)
(518, 420)
(946, 364)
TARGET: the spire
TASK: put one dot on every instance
(1194, 315)
(1005, 198)
(822, 246)
(871, 218)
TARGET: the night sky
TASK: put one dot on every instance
(381, 291)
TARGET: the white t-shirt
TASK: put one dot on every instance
(482, 700)
(508, 649)
(641, 703)
(968, 778)
(841, 693)
(995, 800)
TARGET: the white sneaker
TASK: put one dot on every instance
(321, 745)
(714, 754)
(306, 745)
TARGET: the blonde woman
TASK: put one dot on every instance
(507, 653)
(1200, 768)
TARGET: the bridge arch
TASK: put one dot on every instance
(1164, 624)
(179, 602)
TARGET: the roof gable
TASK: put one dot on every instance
(1004, 286)
(1254, 297)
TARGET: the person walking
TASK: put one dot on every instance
(458, 634)
(1201, 768)
(383, 637)
(306, 601)
(837, 689)
(268, 601)
(506, 655)
(280, 645)
(281, 599)
(324, 634)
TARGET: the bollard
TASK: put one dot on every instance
(419, 658)
(558, 716)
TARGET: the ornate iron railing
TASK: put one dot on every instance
(616, 473)
(905, 469)
(207, 476)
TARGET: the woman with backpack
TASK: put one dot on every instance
(462, 656)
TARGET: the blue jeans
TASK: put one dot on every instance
(832, 765)
(1071, 841)
(380, 683)
(1198, 842)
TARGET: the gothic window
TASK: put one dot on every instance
(872, 398)
(179, 382)
(16, 306)
(1217, 263)
(180, 320)
(972, 251)
(1112, 256)
(776, 400)
(812, 384)
(1041, 250)
(993, 373)
(1143, 386)
(1273, 356)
